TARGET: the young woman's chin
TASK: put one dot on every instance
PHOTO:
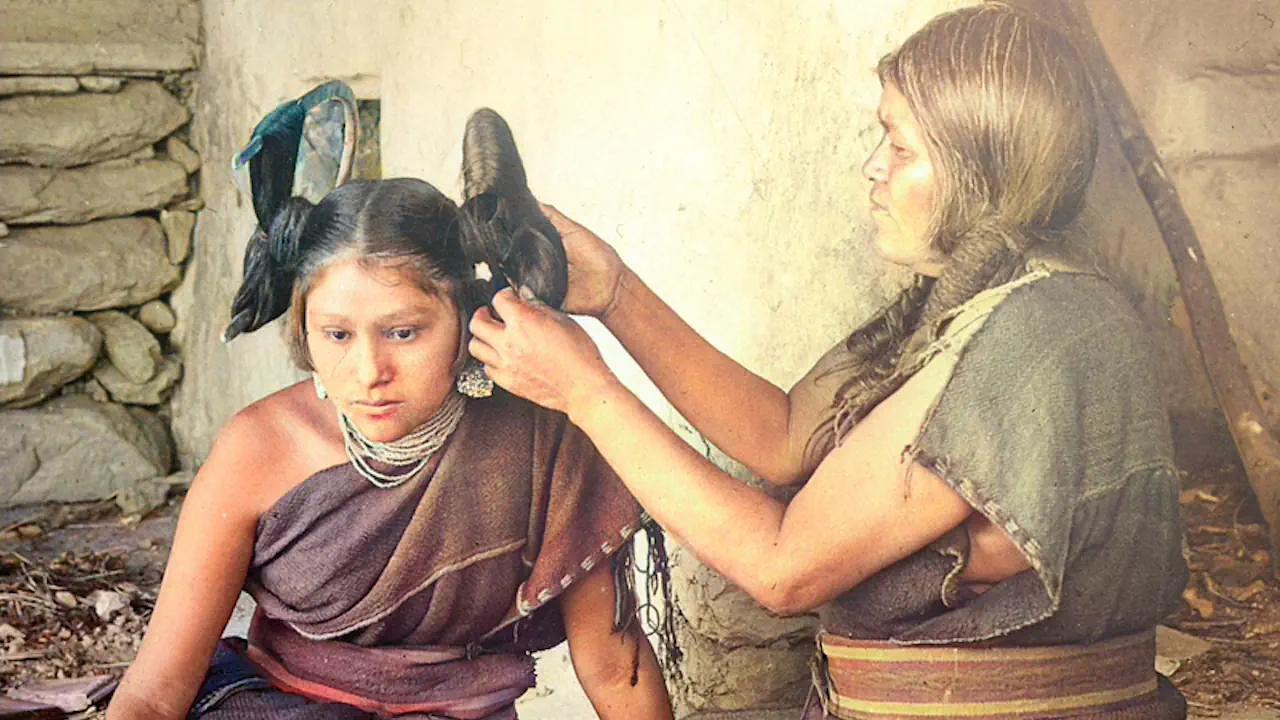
(380, 424)
(388, 423)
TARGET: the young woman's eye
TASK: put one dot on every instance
(337, 335)
(900, 151)
(403, 334)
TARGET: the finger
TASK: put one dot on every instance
(484, 352)
(499, 376)
(508, 304)
(560, 221)
(526, 294)
(484, 323)
(485, 314)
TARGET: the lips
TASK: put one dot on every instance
(380, 408)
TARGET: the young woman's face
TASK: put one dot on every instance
(384, 349)
(903, 188)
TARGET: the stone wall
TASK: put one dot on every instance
(96, 218)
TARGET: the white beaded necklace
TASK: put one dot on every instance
(414, 449)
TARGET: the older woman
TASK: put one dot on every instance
(988, 523)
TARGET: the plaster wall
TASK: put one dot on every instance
(718, 146)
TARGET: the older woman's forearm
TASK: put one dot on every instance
(729, 525)
(740, 412)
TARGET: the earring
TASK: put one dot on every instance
(320, 391)
(473, 382)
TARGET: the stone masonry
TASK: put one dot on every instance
(95, 200)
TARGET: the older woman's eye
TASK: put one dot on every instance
(403, 334)
(337, 335)
(901, 151)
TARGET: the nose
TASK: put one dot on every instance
(373, 367)
(876, 168)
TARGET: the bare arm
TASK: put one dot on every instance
(864, 508)
(206, 570)
(743, 414)
(617, 670)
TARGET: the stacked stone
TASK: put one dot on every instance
(96, 220)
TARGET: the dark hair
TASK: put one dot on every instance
(518, 242)
(402, 221)
(1007, 111)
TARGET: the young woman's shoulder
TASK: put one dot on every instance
(273, 444)
(508, 421)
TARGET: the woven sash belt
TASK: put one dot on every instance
(1112, 680)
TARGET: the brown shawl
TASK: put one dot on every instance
(429, 596)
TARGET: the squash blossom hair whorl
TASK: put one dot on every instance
(1007, 113)
(405, 223)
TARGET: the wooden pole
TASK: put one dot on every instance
(1259, 450)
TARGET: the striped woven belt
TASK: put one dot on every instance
(871, 679)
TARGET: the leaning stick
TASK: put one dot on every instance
(1259, 450)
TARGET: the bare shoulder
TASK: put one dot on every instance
(894, 424)
(258, 455)
(259, 431)
(273, 444)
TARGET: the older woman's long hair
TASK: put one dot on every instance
(1008, 117)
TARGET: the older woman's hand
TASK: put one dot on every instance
(535, 352)
(595, 271)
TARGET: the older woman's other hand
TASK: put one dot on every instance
(535, 352)
(595, 271)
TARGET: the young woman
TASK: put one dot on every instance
(989, 523)
(407, 546)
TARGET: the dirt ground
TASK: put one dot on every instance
(77, 583)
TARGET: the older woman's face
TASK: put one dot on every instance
(903, 188)
(383, 348)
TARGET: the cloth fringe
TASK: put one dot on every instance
(652, 605)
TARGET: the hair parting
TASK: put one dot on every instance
(405, 224)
